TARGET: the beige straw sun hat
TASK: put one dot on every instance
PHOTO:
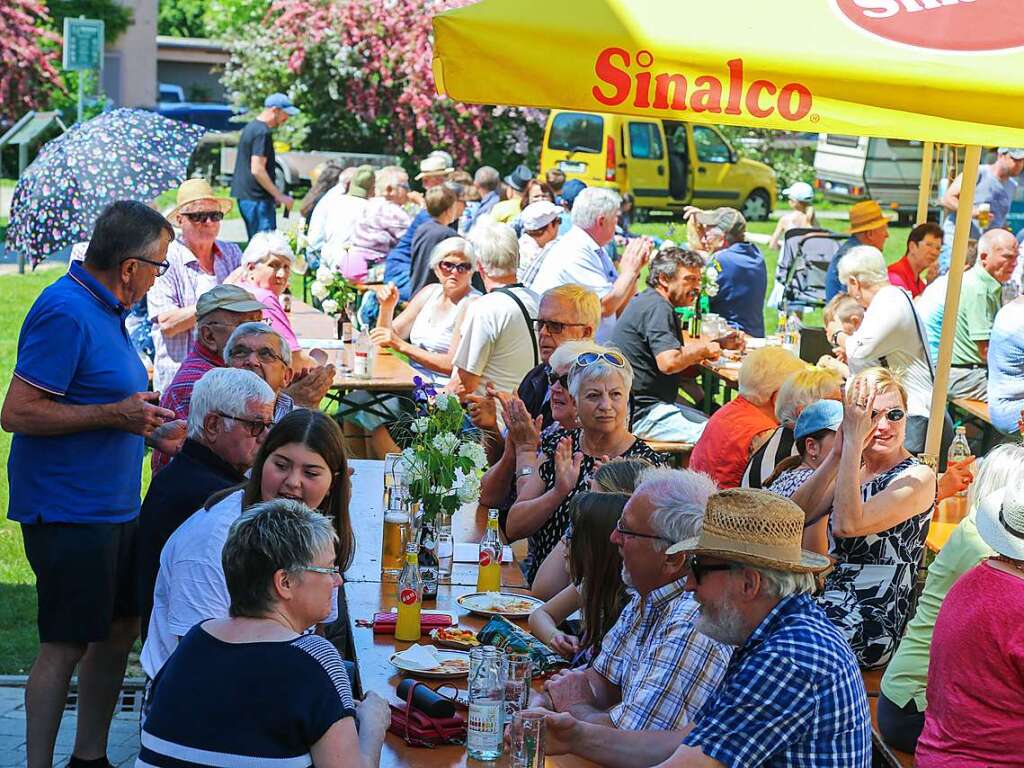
(192, 191)
(755, 527)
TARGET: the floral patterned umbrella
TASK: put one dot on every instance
(122, 154)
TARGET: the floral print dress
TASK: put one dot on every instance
(547, 536)
(868, 595)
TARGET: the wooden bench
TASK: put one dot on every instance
(976, 412)
(680, 452)
(883, 754)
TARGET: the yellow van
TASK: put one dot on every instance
(664, 164)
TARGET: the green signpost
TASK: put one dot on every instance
(83, 50)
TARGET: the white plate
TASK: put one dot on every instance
(434, 673)
(479, 602)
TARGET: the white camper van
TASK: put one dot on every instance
(852, 168)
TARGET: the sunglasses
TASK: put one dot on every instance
(263, 354)
(559, 378)
(589, 358)
(447, 267)
(893, 415)
(554, 328)
(626, 532)
(201, 217)
(161, 266)
(256, 427)
(699, 569)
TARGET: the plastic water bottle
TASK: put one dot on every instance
(485, 732)
(792, 338)
(361, 355)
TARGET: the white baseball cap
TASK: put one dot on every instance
(801, 191)
(538, 215)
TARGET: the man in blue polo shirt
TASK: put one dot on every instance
(79, 410)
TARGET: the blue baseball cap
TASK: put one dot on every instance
(819, 415)
(280, 101)
(570, 190)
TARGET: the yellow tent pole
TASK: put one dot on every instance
(972, 160)
(924, 192)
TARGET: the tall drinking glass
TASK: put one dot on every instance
(517, 682)
(527, 740)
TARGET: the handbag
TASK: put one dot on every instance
(418, 729)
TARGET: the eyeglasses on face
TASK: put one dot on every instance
(893, 415)
(256, 426)
(554, 328)
(589, 358)
(447, 267)
(332, 571)
(626, 532)
(699, 569)
(201, 217)
(558, 378)
(263, 354)
(160, 266)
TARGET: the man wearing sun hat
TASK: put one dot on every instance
(868, 226)
(793, 694)
(198, 262)
(252, 183)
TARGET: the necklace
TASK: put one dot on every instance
(1014, 564)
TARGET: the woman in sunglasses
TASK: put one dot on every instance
(599, 381)
(427, 331)
(302, 458)
(868, 505)
(197, 261)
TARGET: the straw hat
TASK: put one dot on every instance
(1000, 521)
(198, 189)
(434, 165)
(865, 216)
(757, 528)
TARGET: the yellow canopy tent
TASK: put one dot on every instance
(934, 70)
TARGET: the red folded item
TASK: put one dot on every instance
(420, 729)
(384, 623)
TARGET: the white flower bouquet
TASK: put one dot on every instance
(333, 292)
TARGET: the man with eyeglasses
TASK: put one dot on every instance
(231, 412)
(793, 693)
(80, 412)
(198, 261)
(218, 312)
(654, 671)
(259, 348)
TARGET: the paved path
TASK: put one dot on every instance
(124, 734)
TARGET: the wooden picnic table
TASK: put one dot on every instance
(365, 595)
(389, 374)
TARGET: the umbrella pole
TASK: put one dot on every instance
(956, 273)
(924, 192)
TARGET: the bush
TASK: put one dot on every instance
(791, 165)
(361, 73)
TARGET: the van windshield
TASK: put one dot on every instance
(576, 132)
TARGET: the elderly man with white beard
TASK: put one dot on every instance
(792, 696)
(655, 670)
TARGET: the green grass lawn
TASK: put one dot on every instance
(17, 592)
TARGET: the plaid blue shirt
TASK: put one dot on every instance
(666, 669)
(792, 696)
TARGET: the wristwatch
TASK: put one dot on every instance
(524, 472)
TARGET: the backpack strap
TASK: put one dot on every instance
(526, 316)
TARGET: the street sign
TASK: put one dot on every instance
(83, 44)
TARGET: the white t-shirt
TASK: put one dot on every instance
(334, 219)
(576, 258)
(190, 585)
(892, 329)
(496, 343)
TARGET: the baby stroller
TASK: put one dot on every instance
(803, 264)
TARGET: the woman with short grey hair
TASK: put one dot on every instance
(599, 381)
(266, 270)
(281, 571)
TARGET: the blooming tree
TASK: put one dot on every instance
(361, 71)
(28, 57)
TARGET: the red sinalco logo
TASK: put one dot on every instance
(485, 558)
(948, 25)
(407, 596)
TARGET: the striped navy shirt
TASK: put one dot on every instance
(244, 704)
